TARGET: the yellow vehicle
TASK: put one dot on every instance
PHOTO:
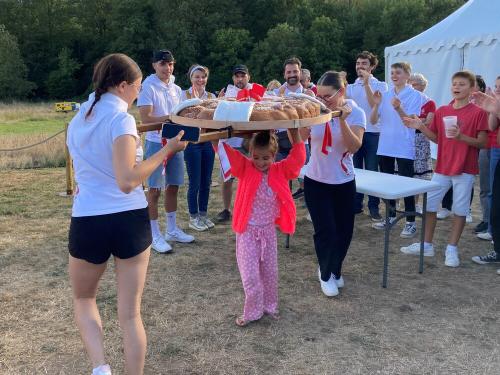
(67, 106)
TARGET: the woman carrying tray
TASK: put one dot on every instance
(329, 185)
(199, 158)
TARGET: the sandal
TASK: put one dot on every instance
(240, 322)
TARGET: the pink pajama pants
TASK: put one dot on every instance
(257, 256)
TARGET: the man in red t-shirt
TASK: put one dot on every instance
(457, 161)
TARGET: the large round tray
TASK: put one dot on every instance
(255, 125)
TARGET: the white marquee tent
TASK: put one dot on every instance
(469, 39)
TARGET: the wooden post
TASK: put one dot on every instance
(69, 165)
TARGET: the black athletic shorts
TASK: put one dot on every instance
(123, 234)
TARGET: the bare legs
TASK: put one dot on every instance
(456, 228)
(130, 275)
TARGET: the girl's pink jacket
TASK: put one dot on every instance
(249, 179)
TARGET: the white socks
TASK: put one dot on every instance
(171, 221)
(428, 245)
(102, 370)
(155, 228)
(170, 218)
(451, 247)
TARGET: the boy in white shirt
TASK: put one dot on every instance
(159, 95)
(397, 142)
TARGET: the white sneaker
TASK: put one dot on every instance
(409, 231)
(451, 258)
(329, 288)
(102, 370)
(443, 213)
(209, 223)
(484, 236)
(414, 249)
(179, 236)
(381, 224)
(339, 282)
(468, 218)
(197, 223)
(160, 245)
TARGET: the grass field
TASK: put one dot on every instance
(24, 124)
(445, 321)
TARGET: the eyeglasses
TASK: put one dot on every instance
(138, 86)
(327, 98)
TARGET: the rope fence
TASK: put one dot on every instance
(32, 145)
(69, 163)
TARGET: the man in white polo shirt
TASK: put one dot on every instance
(241, 80)
(158, 96)
(366, 157)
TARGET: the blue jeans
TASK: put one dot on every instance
(199, 160)
(494, 159)
(366, 158)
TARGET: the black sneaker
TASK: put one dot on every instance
(223, 216)
(481, 227)
(375, 215)
(298, 194)
(491, 257)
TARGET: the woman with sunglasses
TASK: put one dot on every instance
(199, 158)
(329, 186)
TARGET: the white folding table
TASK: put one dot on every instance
(389, 187)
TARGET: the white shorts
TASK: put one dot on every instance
(462, 187)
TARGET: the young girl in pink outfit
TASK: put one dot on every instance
(263, 200)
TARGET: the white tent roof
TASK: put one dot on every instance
(477, 21)
(469, 38)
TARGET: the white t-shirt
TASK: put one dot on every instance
(162, 96)
(356, 92)
(396, 140)
(90, 143)
(336, 167)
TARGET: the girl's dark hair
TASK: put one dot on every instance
(266, 140)
(480, 83)
(337, 80)
(110, 71)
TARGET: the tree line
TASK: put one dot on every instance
(48, 47)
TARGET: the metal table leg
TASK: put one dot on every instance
(422, 234)
(386, 243)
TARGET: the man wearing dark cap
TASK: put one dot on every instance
(158, 96)
(241, 79)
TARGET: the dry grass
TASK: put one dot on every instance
(48, 154)
(445, 321)
(23, 124)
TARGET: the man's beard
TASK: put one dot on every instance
(240, 85)
(292, 80)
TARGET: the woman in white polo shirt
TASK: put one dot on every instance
(329, 185)
(110, 214)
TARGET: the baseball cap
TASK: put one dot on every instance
(240, 69)
(163, 55)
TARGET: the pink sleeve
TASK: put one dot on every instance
(236, 159)
(294, 161)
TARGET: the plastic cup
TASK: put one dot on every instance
(449, 123)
